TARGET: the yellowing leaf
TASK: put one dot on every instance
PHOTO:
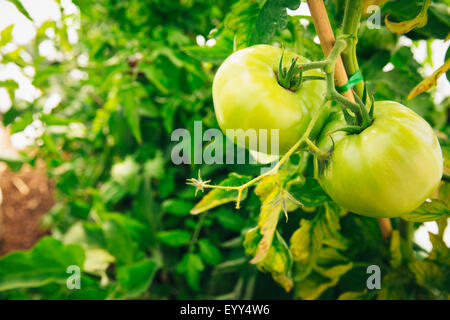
(429, 82)
(405, 26)
(267, 223)
(353, 295)
(217, 197)
(368, 3)
(277, 261)
(395, 249)
(320, 280)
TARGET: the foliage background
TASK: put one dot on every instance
(137, 73)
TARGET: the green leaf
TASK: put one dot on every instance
(310, 193)
(175, 238)
(273, 17)
(6, 35)
(132, 113)
(135, 279)
(217, 197)
(209, 253)
(191, 266)
(257, 21)
(229, 219)
(427, 273)
(47, 262)
(429, 211)
(21, 123)
(21, 8)
(119, 242)
(177, 207)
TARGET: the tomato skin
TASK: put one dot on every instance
(387, 170)
(247, 95)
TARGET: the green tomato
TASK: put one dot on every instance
(387, 170)
(247, 95)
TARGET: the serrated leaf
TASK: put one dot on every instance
(427, 273)
(429, 211)
(257, 21)
(272, 17)
(217, 197)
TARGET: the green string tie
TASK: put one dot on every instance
(352, 81)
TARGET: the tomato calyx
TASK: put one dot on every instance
(292, 78)
(360, 120)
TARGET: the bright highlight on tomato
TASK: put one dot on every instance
(247, 95)
(387, 170)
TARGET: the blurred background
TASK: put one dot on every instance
(90, 93)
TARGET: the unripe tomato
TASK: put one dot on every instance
(247, 95)
(387, 170)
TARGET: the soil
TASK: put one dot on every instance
(25, 197)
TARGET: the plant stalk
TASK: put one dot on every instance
(326, 36)
(350, 26)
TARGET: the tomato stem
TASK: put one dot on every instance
(350, 26)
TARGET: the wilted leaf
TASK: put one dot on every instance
(320, 280)
(429, 82)
(267, 224)
(277, 261)
(405, 26)
(351, 295)
(217, 197)
(306, 243)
